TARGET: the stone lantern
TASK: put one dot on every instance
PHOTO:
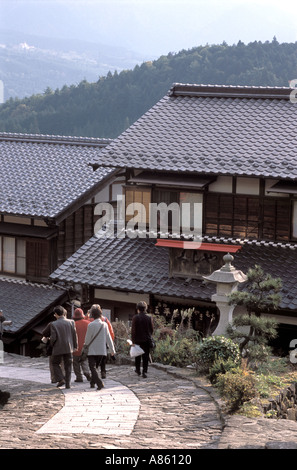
(226, 279)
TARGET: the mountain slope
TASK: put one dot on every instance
(29, 64)
(109, 106)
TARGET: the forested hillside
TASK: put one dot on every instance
(109, 106)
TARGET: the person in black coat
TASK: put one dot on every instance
(142, 329)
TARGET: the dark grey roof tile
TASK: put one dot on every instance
(42, 175)
(21, 301)
(137, 265)
(226, 127)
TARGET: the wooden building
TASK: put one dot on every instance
(230, 149)
(48, 194)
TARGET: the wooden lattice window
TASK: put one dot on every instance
(138, 198)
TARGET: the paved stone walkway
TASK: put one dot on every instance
(113, 411)
(161, 411)
(170, 409)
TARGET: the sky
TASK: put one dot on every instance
(153, 27)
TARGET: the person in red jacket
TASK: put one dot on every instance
(81, 325)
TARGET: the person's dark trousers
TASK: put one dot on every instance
(145, 358)
(103, 366)
(94, 363)
(67, 361)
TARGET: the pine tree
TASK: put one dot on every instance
(261, 294)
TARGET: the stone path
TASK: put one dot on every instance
(171, 409)
(112, 411)
(130, 412)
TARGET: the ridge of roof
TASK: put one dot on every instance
(22, 282)
(54, 139)
(144, 234)
(229, 91)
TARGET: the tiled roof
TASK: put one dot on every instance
(245, 131)
(137, 265)
(21, 301)
(42, 175)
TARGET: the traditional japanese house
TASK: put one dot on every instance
(48, 193)
(233, 151)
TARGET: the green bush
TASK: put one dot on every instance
(237, 387)
(213, 348)
(190, 334)
(220, 366)
(174, 352)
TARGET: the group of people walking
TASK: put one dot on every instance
(66, 339)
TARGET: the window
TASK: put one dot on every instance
(247, 217)
(188, 219)
(193, 218)
(276, 219)
(21, 257)
(38, 260)
(12, 256)
(134, 197)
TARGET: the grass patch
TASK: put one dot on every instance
(274, 376)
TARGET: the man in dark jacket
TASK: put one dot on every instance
(142, 329)
(63, 339)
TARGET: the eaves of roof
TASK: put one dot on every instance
(12, 229)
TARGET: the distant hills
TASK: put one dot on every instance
(29, 64)
(106, 107)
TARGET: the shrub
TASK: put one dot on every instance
(252, 333)
(171, 351)
(190, 334)
(215, 347)
(267, 383)
(158, 321)
(237, 387)
(122, 333)
(165, 332)
(220, 366)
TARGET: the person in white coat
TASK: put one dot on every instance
(97, 344)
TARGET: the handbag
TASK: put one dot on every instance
(85, 349)
(136, 350)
